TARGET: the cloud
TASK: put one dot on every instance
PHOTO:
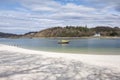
(36, 5)
(32, 15)
(117, 7)
(115, 4)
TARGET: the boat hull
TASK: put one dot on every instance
(63, 42)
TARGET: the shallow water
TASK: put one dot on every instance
(85, 46)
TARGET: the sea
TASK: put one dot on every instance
(98, 46)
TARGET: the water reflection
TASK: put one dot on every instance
(64, 45)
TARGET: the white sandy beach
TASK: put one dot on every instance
(23, 64)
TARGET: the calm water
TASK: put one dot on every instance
(85, 46)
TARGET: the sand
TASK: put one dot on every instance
(23, 64)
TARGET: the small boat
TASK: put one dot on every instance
(63, 42)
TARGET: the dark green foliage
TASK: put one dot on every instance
(107, 31)
(114, 34)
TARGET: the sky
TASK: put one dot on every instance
(21, 16)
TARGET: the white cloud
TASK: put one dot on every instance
(36, 5)
(72, 7)
(115, 4)
(36, 15)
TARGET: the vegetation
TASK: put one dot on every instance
(107, 31)
(8, 35)
(69, 31)
(77, 31)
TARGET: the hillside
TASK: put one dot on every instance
(68, 31)
(8, 35)
(107, 31)
(75, 31)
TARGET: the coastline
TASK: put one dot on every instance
(109, 61)
(23, 64)
(101, 37)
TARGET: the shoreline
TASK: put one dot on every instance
(109, 61)
(101, 37)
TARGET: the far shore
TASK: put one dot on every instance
(81, 37)
(101, 37)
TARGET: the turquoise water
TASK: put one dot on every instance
(84, 46)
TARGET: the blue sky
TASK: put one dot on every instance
(21, 16)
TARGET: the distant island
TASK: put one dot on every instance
(68, 31)
(8, 35)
